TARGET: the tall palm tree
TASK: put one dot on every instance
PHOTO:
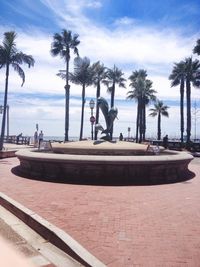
(137, 79)
(114, 77)
(61, 45)
(159, 110)
(99, 76)
(196, 49)
(10, 56)
(143, 94)
(83, 75)
(178, 78)
(148, 97)
(192, 72)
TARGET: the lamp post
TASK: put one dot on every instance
(92, 118)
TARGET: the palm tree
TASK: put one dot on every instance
(178, 78)
(137, 79)
(159, 110)
(83, 75)
(11, 57)
(61, 45)
(143, 94)
(99, 76)
(148, 96)
(192, 76)
(114, 77)
(196, 49)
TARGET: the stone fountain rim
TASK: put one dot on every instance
(172, 156)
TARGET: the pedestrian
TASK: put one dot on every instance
(35, 141)
(165, 141)
(121, 137)
(18, 136)
(41, 136)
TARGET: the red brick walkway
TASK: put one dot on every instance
(123, 225)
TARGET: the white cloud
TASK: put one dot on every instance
(125, 21)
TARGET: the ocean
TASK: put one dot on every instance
(60, 138)
(71, 138)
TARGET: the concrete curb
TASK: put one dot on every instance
(53, 234)
(7, 154)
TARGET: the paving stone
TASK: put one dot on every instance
(121, 225)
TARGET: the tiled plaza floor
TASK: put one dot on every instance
(123, 226)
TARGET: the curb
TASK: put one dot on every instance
(50, 232)
(7, 154)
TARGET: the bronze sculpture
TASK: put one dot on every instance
(109, 116)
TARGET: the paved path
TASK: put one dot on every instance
(123, 226)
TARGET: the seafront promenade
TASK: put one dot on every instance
(122, 226)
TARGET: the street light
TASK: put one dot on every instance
(92, 118)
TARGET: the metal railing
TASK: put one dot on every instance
(14, 139)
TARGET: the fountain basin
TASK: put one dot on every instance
(101, 148)
(167, 167)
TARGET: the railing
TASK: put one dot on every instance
(177, 145)
(14, 139)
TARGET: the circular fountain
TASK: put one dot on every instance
(104, 162)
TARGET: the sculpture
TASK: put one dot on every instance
(109, 116)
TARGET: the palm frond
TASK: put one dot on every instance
(19, 71)
(165, 114)
(21, 58)
(62, 43)
(61, 75)
(154, 113)
(196, 49)
(9, 55)
(159, 108)
(112, 77)
(83, 73)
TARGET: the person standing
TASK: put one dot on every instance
(18, 136)
(121, 137)
(35, 139)
(41, 136)
(165, 141)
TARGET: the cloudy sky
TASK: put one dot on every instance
(132, 34)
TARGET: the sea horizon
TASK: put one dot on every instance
(76, 138)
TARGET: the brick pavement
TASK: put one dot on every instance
(123, 226)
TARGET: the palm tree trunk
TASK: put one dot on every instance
(188, 95)
(112, 105)
(159, 126)
(137, 122)
(67, 93)
(97, 108)
(4, 108)
(82, 112)
(140, 121)
(112, 96)
(144, 122)
(182, 108)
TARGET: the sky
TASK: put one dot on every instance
(131, 34)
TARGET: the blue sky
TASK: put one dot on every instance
(132, 34)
